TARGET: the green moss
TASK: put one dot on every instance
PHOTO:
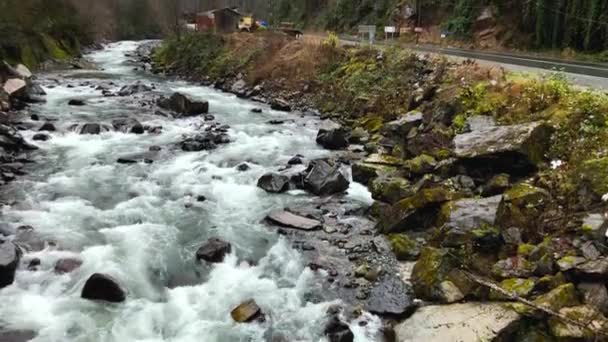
(558, 298)
(517, 286)
(521, 206)
(390, 189)
(432, 268)
(525, 249)
(53, 47)
(28, 57)
(404, 247)
(421, 164)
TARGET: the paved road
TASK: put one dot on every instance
(594, 75)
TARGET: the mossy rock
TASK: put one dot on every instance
(404, 247)
(497, 185)
(421, 165)
(584, 314)
(521, 287)
(525, 249)
(53, 48)
(560, 297)
(365, 172)
(550, 282)
(520, 207)
(415, 212)
(390, 189)
(432, 268)
(595, 173)
(384, 160)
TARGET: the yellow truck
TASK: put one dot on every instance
(247, 24)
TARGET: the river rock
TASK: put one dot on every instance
(247, 312)
(103, 287)
(76, 102)
(458, 322)
(432, 269)
(22, 72)
(213, 251)
(333, 139)
(464, 217)
(48, 127)
(9, 260)
(389, 296)
(147, 157)
(128, 125)
(418, 212)
(518, 148)
(274, 183)
(17, 336)
(34, 93)
(391, 189)
(290, 220)
(67, 265)
(137, 87)
(325, 177)
(184, 105)
(93, 128)
(337, 331)
(280, 105)
(239, 88)
(594, 322)
(41, 137)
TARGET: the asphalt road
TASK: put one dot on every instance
(593, 75)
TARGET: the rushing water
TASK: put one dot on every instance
(142, 224)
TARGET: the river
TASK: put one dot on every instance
(142, 224)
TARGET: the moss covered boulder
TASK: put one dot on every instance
(421, 165)
(524, 144)
(417, 212)
(431, 274)
(390, 189)
(399, 129)
(521, 207)
(364, 173)
(404, 247)
(561, 297)
(513, 267)
(521, 287)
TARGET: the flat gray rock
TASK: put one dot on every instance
(457, 322)
(287, 219)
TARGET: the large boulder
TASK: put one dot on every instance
(595, 295)
(333, 139)
(9, 260)
(15, 87)
(274, 183)
(433, 276)
(280, 105)
(391, 189)
(325, 177)
(399, 129)
(103, 287)
(594, 323)
(365, 173)
(184, 105)
(11, 139)
(246, 312)
(23, 72)
(463, 220)
(418, 211)
(290, 220)
(17, 335)
(213, 251)
(458, 322)
(516, 149)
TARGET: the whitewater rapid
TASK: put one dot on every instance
(142, 223)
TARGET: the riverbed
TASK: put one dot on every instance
(142, 223)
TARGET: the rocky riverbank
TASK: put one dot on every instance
(491, 183)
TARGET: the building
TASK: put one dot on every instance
(222, 20)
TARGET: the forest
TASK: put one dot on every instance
(32, 30)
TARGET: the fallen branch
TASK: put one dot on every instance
(493, 286)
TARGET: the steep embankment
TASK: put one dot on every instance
(493, 183)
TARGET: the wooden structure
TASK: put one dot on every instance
(223, 20)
